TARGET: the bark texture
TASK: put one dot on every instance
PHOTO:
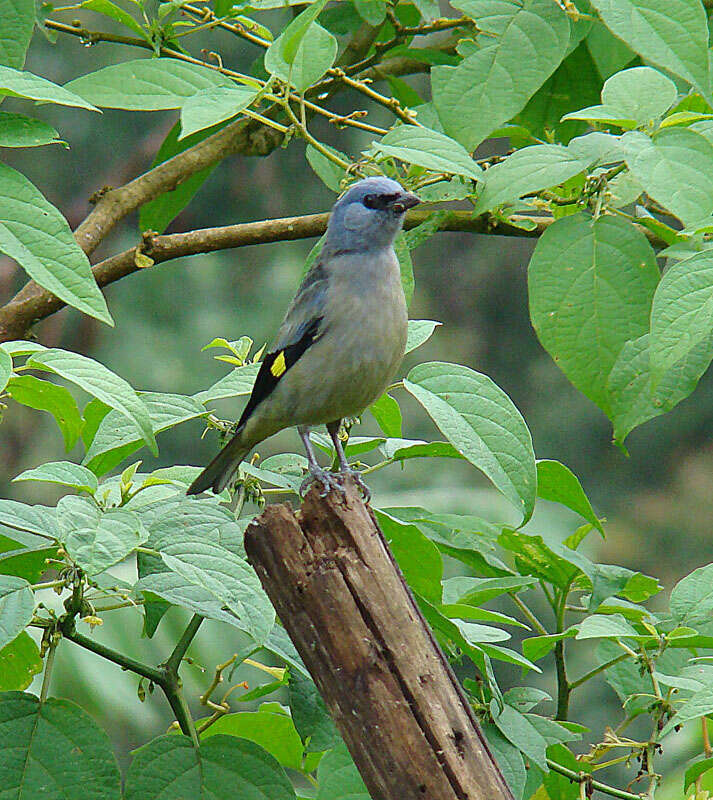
(341, 597)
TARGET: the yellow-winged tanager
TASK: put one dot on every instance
(342, 338)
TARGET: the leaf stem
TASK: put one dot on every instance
(583, 777)
(601, 668)
(49, 664)
(529, 615)
(563, 687)
(36, 587)
(125, 662)
(174, 660)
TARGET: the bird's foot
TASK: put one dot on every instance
(355, 475)
(328, 480)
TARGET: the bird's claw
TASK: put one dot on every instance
(328, 480)
(355, 475)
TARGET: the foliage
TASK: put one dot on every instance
(611, 189)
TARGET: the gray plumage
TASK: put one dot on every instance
(342, 338)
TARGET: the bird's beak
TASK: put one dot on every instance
(406, 200)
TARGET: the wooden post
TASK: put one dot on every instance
(387, 684)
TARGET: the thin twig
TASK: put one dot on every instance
(601, 668)
(532, 619)
(388, 102)
(49, 664)
(173, 662)
(581, 777)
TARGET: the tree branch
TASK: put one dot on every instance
(244, 136)
(17, 316)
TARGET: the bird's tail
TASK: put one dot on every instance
(221, 470)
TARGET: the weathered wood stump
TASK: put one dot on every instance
(345, 604)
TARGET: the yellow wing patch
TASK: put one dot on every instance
(278, 366)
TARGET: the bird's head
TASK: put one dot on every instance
(369, 215)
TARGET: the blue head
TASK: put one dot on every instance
(368, 216)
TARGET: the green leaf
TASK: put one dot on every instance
(492, 84)
(100, 382)
(17, 603)
(206, 577)
(371, 11)
(63, 472)
(387, 413)
(605, 626)
(5, 368)
(17, 130)
(477, 591)
(609, 54)
(159, 212)
(482, 423)
(274, 732)
(699, 705)
(549, 561)
(18, 20)
(211, 106)
(682, 320)
(35, 519)
(676, 169)
(116, 437)
(37, 236)
(608, 580)
(146, 84)
(695, 770)
(419, 332)
(639, 93)
(227, 768)
(627, 680)
(116, 535)
(338, 777)
(45, 396)
(403, 254)
(509, 759)
(573, 84)
(590, 286)
(520, 731)
(403, 449)
(19, 662)
(634, 399)
(237, 383)
(670, 33)
(418, 557)
(525, 698)
(331, 174)
(525, 171)
(537, 647)
(29, 563)
(15, 83)
(296, 31)
(557, 786)
(429, 149)
(315, 55)
(692, 597)
(558, 483)
(310, 715)
(54, 749)
(111, 10)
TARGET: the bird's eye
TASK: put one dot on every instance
(379, 202)
(372, 201)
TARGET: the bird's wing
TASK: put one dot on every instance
(300, 328)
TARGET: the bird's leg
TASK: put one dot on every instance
(344, 468)
(316, 473)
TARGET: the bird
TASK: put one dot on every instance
(340, 343)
